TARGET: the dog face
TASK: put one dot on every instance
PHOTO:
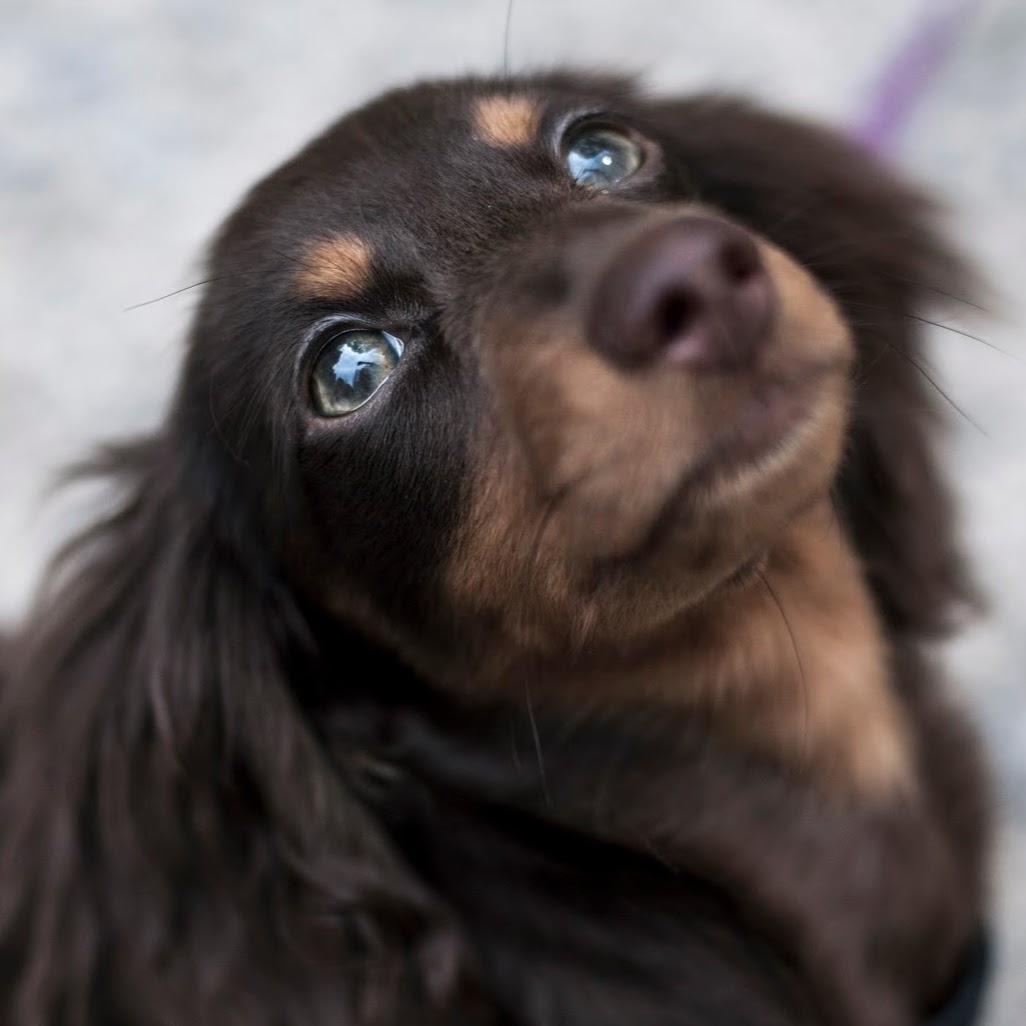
(540, 380)
(531, 387)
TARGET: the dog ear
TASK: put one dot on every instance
(174, 837)
(870, 240)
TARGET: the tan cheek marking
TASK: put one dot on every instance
(335, 268)
(795, 666)
(831, 709)
(506, 121)
(501, 562)
(810, 320)
(582, 424)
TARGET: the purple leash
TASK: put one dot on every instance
(910, 72)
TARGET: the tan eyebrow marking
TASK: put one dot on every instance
(506, 120)
(339, 266)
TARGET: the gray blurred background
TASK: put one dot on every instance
(129, 128)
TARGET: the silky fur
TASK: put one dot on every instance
(464, 709)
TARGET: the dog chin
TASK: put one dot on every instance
(778, 456)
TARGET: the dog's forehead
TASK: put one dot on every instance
(433, 160)
(422, 177)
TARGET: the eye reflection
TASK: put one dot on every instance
(350, 368)
(600, 157)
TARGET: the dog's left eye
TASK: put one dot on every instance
(598, 157)
(351, 367)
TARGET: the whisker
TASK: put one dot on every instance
(506, 73)
(551, 508)
(288, 258)
(195, 285)
(856, 325)
(940, 292)
(919, 318)
(211, 281)
(797, 653)
(940, 391)
(966, 334)
(537, 744)
(176, 292)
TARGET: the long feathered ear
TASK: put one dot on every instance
(175, 844)
(870, 240)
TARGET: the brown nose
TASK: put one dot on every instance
(692, 291)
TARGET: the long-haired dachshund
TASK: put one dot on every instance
(522, 616)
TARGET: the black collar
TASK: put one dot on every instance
(963, 1006)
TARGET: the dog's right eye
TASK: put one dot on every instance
(350, 368)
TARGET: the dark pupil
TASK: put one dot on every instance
(351, 369)
(600, 157)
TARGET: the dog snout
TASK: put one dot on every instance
(693, 292)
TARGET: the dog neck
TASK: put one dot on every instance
(521, 779)
(792, 664)
(788, 663)
(708, 753)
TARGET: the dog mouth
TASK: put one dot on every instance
(773, 417)
(758, 446)
(683, 398)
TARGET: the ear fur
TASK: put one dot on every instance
(870, 240)
(174, 837)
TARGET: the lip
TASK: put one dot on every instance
(775, 414)
(776, 411)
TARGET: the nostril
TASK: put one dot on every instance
(739, 261)
(677, 313)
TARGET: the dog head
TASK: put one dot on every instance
(541, 364)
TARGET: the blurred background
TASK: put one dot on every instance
(130, 127)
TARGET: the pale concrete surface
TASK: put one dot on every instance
(130, 127)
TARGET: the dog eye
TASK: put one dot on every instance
(350, 368)
(598, 157)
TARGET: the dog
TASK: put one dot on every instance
(524, 613)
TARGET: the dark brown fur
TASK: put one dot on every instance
(443, 713)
